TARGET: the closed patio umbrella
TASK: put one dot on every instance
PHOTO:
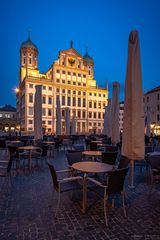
(133, 120)
(67, 121)
(107, 120)
(38, 133)
(148, 122)
(58, 117)
(115, 135)
(73, 127)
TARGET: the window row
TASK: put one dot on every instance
(69, 82)
(44, 99)
(70, 91)
(97, 94)
(98, 105)
(71, 73)
(45, 112)
(43, 87)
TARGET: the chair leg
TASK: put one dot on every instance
(105, 208)
(123, 203)
(58, 203)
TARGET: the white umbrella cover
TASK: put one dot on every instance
(115, 135)
(58, 117)
(67, 118)
(73, 128)
(107, 120)
(133, 121)
(38, 133)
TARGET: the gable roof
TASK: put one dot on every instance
(7, 108)
(72, 51)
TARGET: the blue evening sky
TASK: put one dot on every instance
(101, 25)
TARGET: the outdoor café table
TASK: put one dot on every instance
(92, 154)
(30, 149)
(49, 142)
(90, 167)
(97, 141)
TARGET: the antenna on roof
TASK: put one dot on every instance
(29, 33)
(71, 44)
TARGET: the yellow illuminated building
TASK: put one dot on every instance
(71, 77)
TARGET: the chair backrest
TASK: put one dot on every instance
(157, 148)
(111, 148)
(2, 143)
(154, 161)
(73, 157)
(148, 149)
(10, 163)
(54, 176)
(123, 163)
(13, 150)
(116, 180)
(109, 157)
(93, 146)
(44, 150)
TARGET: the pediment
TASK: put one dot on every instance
(71, 52)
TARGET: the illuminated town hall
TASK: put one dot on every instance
(71, 77)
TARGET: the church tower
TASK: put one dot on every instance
(28, 58)
(89, 64)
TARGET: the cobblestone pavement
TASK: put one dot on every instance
(27, 211)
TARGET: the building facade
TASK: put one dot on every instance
(8, 121)
(152, 109)
(71, 77)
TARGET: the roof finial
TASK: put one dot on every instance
(71, 44)
(29, 34)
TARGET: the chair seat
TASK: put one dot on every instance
(68, 186)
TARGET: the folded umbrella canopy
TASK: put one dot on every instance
(107, 120)
(115, 134)
(133, 119)
(58, 117)
(38, 133)
(67, 121)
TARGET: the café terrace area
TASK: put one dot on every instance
(28, 200)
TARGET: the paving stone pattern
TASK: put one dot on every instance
(27, 210)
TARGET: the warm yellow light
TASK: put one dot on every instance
(152, 125)
(17, 90)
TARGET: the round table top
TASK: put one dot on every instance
(92, 153)
(94, 167)
(153, 153)
(48, 142)
(96, 141)
(29, 148)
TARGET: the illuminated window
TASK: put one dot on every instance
(74, 101)
(30, 112)
(69, 101)
(58, 71)
(79, 102)
(49, 100)
(43, 99)
(43, 112)
(49, 112)
(31, 98)
(63, 100)
(30, 85)
(30, 121)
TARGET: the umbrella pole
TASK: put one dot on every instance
(131, 174)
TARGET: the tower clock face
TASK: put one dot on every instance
(71, 61)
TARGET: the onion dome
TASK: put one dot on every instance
(87, 58)
(29, 44)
